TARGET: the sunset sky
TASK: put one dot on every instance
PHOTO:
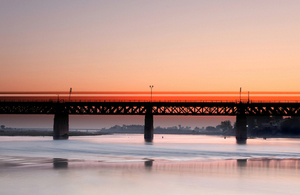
(127, 45)
(175, 45)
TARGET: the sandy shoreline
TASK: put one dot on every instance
(47, 133)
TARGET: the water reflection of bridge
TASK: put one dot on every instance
(191, 166)
(62, 108)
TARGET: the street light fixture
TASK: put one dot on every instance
(240, 94)
(248, 98)
(70, 94)
(151, 86)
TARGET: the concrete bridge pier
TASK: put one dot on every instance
(148, 129)
(241, 129)
(61, 126)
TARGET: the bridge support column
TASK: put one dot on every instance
(61, 126)
(241, 128)
(148, 130)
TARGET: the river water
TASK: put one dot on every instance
(125, 164)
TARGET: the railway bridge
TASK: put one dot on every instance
(61, 109)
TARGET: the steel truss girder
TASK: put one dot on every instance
(157, 108)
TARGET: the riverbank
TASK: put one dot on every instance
(47, 133)
(12, 132)
(95, 133)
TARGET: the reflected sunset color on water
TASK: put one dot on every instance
(125, 164)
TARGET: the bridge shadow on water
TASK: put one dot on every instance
(60, 163)
(148, 164)
(213, 166)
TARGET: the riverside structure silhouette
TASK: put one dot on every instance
(62, 108)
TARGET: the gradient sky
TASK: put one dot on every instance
(175, 45)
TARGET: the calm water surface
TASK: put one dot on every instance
(125, 164)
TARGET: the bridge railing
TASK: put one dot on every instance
(232, 97)
(159, 101)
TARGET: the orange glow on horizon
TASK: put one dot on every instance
(156, 96)
(174, 46)
(154, 92)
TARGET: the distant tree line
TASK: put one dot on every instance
(273, 126)
(224, 128)
(258, 126)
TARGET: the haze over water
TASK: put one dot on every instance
(125, 164)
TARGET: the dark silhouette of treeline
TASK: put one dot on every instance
(273, 126)
(258, 126)
(210, 130)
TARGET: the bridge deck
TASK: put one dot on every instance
(155, 96)
(157, 108)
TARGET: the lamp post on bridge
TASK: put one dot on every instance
(248, 98)
(70, 94)
(240, 94)
(151, 86)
